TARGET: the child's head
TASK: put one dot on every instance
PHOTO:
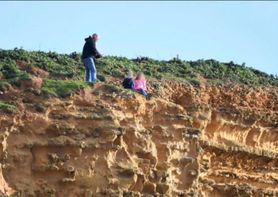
(140, 76)
(130, 74)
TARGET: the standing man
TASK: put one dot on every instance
(89, 55)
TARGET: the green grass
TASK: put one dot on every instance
(70, 67)
(8, 107)
(61, 88)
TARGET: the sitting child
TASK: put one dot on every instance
(140, 84)
(128, 82)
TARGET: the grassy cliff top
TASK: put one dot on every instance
(70, 67)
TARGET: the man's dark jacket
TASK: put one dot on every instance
(89, 49)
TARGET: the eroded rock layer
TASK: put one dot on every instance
(186, 141)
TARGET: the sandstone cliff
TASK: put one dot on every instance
(207, 140)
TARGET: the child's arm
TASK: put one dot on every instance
(135, 84)
(132, 84)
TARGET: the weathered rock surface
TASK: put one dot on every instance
(208, 141)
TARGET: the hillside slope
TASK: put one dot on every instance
(197, 135)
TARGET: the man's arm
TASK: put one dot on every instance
(95, 51)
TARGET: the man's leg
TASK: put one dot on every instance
(93, 71)
(87, 69)
(88, 77)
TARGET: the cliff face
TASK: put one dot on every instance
(209, 141)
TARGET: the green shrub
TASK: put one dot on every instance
(8, 107)
(101, 78)
(4, 84)
(12, 74)
(110, 88)
(40, 107)
(10, 71)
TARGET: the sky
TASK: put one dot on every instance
(243, 32)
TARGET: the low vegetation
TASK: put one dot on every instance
(7, 107)
(70, 67)
(61, 88)
(11, 74)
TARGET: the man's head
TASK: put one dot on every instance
(95, 37)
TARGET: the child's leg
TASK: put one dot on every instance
(143, 92)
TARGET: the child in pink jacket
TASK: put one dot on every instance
(140, 84)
